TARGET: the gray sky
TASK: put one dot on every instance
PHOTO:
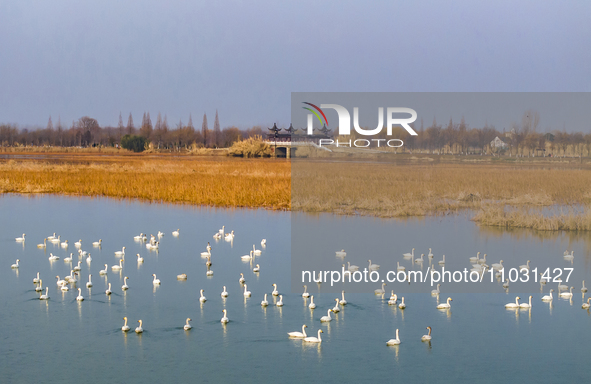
(244, 58)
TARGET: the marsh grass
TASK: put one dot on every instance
(398, 190)
(221, 182)
(499, 216)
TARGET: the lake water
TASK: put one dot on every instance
(68, 341)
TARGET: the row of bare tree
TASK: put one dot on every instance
(86, 132)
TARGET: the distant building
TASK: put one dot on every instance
(498, 144)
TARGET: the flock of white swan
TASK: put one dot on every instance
(478, 264)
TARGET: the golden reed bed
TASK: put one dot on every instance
(219, 181)
(376, 188)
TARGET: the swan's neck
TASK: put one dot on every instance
(319, 332)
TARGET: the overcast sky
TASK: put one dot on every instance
(244, 58)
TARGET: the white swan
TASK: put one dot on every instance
(222, 230)
(247, 257)
(187, 326)
(155, 281)
(483, 260)
(104, 271)
(64, 288)
(225, 319)
(97, 243)
(139, 329)
(139, 258)
(242, 280)
(176, 233)
(89, 258)
(341, 253)
(343, 301)
(570, 256)
(305, 294)
(526, 305)
(586, 305)
(393, 298)
(217, 236)
(36, 279)
(78, 267)
(421, 259)
(402, 305)
(120, 253)
(427, 337)
(51, 237)
(436, 292)
(264, 243)
(567, 294)
(352, 268)
(506, 284)
(497, 266)
(275, 291)
(125, 327)
(513, 305)
(326, 318)
(153, 246)
(280, 302)
(182, 276)
(78, 244)
(209, 272)
(409, 255)
(561, 286)
(247, 293)
(442, 261)
(118, 267)
(257, 268)
(82, 253)
(160, 234)
(46, 296)
(299, 335)
(314, 339)
(264, 303)
(39, 288)
(44, 245)
(79, 297)
(584, 289)
(524, 266)
(372, 267)
(52, 257)
(59, 281)
(336, 308)
(224, 292)
(446, 305)
(400, 267)
(312, 305)
(68, 259)
(229, 236)
(125, 286)
(56, 240)
(20, 239)
(395, 341)
(256, 252)
(89, 283)
(15, 266)
(380, 291)
(476, 258)
(430, 255)
(202, 298)
(64, 244)
(108, 291)
(548, 297)
(139, 237)
(206, 253)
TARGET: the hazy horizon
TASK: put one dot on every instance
(99, 59)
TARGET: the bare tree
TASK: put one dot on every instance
(217, 134)
(204, 130)
(130, 127)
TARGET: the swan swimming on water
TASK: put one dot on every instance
(314, 339)
(39, 288)
(264, 303)
(513, 305)
(326, 318)
(139, 329)
(427, 337)
(336, 308)
(526, 305)
(187, 325)
(548, 297)
(124, 286)
(125, 327)
(155, 281)
(46, 296)
(312, 305)
(280, 302)
(176, 233)
(89, 283)
(36, 279)
(409, 255)
(299, 335)
(395, 341)
(446, 305)
(104, 271)
(275, 291)
(225, 319)
(380, 291)
(247, 293)
(343, 301)
(44, 245)
(108, 291)
(305, 294)
(79, 297)
(97, 243)
(20, 239)
(202, 298)
(15, 266)
(224, 292)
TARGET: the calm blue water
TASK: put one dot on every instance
(63, 340)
